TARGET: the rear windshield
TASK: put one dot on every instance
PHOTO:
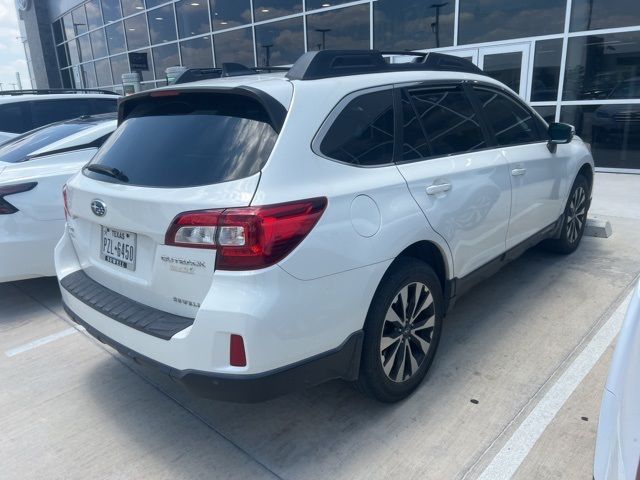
(19, 148)
(188, 140)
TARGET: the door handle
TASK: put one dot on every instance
(518, 171)
(439, 188)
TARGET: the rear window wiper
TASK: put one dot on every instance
(109, 171)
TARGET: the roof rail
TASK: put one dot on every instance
(339, 63)
(53, 91)
(227, 70)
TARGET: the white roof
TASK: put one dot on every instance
(29, 97)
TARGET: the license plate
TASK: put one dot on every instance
(118, 248)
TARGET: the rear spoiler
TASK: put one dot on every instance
(275, 110)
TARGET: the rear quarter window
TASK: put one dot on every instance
(363, 132)
(188, 140)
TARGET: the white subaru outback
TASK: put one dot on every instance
(255, 234)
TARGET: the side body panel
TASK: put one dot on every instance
(28, 236)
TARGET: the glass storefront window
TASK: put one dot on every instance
(115, 38)
(98, 43)
(504, 67)
(279, 43)
(192, 17)
(230, 13)
(412, 24)
(74, 54)
(79, 18)
(162, 25)
(94, 16)
(69, 31)
(67, 78)
(165, 56)
(131, 7)
(88, 76)
(316, 4)
(267, 9)
(85, 48)
(155, 3)
(103, 72)
(111, 10)
(147, 75)
(546, 70)
(595, 14)
(612, 130)
(119, 65)
(197, 53)
(547, 112)
(603, 67)
(63, 55)
(234, 46)
(58, 32)
(136, 31)
(339, 29)
(491, 20)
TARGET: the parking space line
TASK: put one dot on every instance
(513, 453)
(41, 341)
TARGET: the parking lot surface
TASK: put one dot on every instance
(498, 399)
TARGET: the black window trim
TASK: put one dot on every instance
(327, 123)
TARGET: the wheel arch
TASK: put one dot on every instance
(587, 171)
(432, 254)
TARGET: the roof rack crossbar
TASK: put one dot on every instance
(338, 63)
(54, 91)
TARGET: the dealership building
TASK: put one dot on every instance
(575, 61)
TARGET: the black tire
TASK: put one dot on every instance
(420, 332)
(574, 219)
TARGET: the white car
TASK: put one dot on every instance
(251, 235)
(33, 169)
(618, 442)
(24, 110)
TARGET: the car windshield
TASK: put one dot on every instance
(19, 148)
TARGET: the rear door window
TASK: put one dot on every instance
(188, 140)
(363, 132)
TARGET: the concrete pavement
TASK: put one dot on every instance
(73, 408)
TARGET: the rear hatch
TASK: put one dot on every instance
(174, 152)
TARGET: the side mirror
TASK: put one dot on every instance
(559, 133)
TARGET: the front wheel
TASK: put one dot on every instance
(575, 219)
(402, 331)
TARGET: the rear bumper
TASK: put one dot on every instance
(296, 333)
(340, 363)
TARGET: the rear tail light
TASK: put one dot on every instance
(250, 237)
(237, 355)
(5, 207)
(65, 198)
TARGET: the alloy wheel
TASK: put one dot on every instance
(407, 332)
(576, 214)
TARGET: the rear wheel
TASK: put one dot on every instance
(575, 219)
(402, 331)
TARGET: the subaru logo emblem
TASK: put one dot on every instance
(98, 208)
